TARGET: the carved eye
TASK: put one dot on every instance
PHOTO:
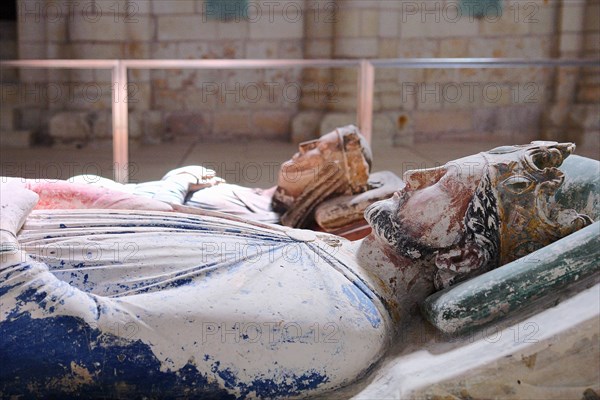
(518, 184)
(307, 146)
(547, 158)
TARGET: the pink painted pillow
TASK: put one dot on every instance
(66, 195)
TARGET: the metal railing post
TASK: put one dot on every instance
(120, 123)
(366, 86)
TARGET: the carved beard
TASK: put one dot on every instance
(384, 221)
(330, 180)
(479, 251)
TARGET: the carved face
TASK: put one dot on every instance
(526, 180)
(303, 168)
(341, 149)
(428, 214)
(481, 211)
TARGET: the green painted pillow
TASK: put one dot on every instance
(581, 188)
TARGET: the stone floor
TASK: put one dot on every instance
(249, 163)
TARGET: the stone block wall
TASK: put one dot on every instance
(410, 105)
(427, 104)
(574, 110)
(588, 90)
(163, 104)
(10, 133)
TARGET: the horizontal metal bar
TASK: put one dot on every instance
(239, 63)
(170, 64)
(482, 62)
(79, 64)
(323, 63)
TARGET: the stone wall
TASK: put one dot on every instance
(422, 105)
(207, 104)
(410, 105)
(10, 134)
(574, 112)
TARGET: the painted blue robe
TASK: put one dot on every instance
(122, 304)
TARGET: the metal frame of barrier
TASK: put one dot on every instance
(365, 85)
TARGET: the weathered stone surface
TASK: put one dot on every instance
(369, 23)
(305, 126)
(8, 51)
(15, 139)
(404, 130)
(319, 48)
(417, 47)
(591, 140)
(140, 96)
(262, 49)
(360, 47)
(277, 27)
(545, 20)
(227, 123)
(343, 100)
(98, 50)
(101, 125)
(142, 29)
(442, 121)
(102, 26)
(333, 120)
(136, 124)
(271, 123)
(7, 118)
(589, 94)
(349, 22)
(520, 118)
(389, 23)
(153, 127)
(31, 118)
(384, 128)
(390, 101)
(233, 30)
(414, 27)
(185, 124)
(164, 49)
(504, 25)
(173, 7)
(185, 27)
(33, 29)
(388, 48)
(535, 358)
(454, 47)
(70, 126)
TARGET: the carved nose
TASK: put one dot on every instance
(307, 146)
(419, 178)
(551, 154)
(566, 149)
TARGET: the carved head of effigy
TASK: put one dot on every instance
(341, 157)
(479, 212)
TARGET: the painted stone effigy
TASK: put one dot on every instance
(337, 164)
(129, 303)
